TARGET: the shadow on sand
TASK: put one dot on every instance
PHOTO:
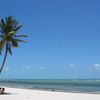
(7, 93)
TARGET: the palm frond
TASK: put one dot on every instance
(23, 35)
(12, 32)
(18, 40)
(15, 23)
(9, 49)
(17, 28)
(9, 23)
(2, 27)
(3, 23)
(14, 43)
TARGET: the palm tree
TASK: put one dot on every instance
(8, 37)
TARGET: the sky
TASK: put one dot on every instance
(63, 39)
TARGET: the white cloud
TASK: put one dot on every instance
(71, 64)
(97, 66)
(41, 67)
(26, 68)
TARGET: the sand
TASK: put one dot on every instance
(26, 94)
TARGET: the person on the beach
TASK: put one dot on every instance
(53, 89)
(2, 90)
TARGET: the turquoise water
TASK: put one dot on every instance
(83, 86)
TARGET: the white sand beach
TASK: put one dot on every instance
(26, 94)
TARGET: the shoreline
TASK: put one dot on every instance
(59, 85)
(28, 94)
(51, 90)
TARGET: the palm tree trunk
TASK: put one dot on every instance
(4, 59)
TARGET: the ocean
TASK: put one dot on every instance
(63, 85)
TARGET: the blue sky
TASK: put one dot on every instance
(63, 42)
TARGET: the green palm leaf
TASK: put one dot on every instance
(3, 23)
(9, 49)
(2, 28)
(23, 35)
(12, 33)
(17, 28)
(18, 40)
(15, 24)
(14, 42)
